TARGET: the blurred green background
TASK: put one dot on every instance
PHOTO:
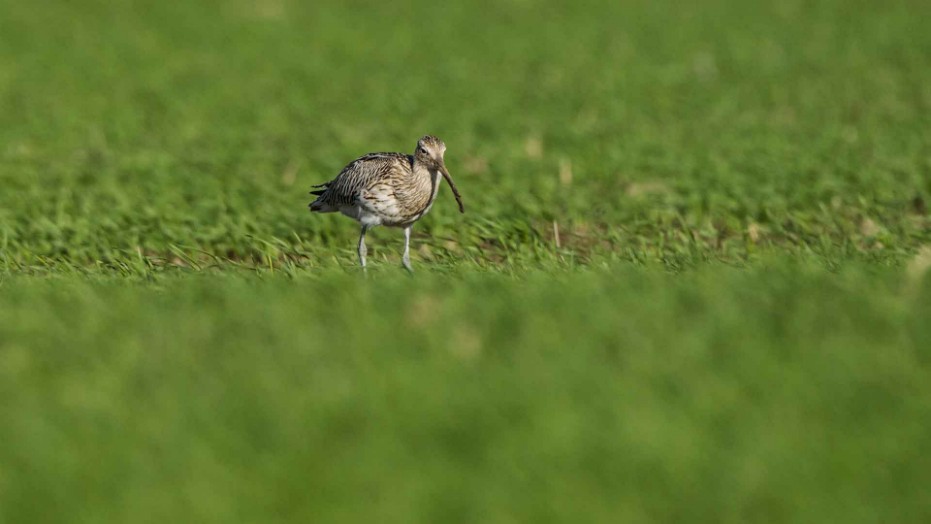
(690, 282)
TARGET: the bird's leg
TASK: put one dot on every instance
(406, 259)
(362, 250)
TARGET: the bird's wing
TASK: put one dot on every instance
(360, 174)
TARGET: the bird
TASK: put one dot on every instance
(388, 189)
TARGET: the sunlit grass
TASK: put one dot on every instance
(691, 283)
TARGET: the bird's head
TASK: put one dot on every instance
(429, 153)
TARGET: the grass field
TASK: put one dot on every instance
(691, 283)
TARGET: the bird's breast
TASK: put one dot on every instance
(417, 193)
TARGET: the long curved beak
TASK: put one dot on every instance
(449, 180)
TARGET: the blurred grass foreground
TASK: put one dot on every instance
(692, 282)
(775, 394)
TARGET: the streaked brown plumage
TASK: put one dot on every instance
(389, 189)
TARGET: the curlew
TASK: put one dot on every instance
(388, 189)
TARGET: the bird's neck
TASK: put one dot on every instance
(420, 166)
(427, 177)
(424, 171)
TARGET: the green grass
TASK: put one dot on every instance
(730, 324)
(783, 393)
(198, 128)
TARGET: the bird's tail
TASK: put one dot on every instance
(318, 205)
